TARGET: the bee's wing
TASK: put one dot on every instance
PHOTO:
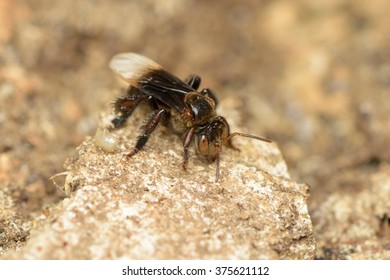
(149, 77)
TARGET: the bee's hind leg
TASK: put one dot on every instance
(147, 129)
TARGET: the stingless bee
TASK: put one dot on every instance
(175, 104)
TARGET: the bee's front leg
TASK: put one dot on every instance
(186, 143)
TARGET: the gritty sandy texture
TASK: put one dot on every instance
(149, 208)
(354, 223)
(313, 76)
(13, 228)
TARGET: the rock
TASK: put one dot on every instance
(147, 207)
(13, 229)
(353, 220)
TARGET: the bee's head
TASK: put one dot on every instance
(209, 139)
(213, 135)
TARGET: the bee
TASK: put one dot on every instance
(175, 104)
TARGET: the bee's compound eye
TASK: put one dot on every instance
(203, 145)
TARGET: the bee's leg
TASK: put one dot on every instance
(194, 81)
(186, 143)
(217, 168)
(126, 105)
(210, 93)
(147, 129)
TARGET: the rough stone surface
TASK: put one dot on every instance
(148, 208)
(312, 75)
(353, 221)
(13, 228)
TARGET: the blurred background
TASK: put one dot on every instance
(314, 76)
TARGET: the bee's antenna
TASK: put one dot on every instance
(230, 136)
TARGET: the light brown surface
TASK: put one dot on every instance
(311, 75)
(147, 207)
